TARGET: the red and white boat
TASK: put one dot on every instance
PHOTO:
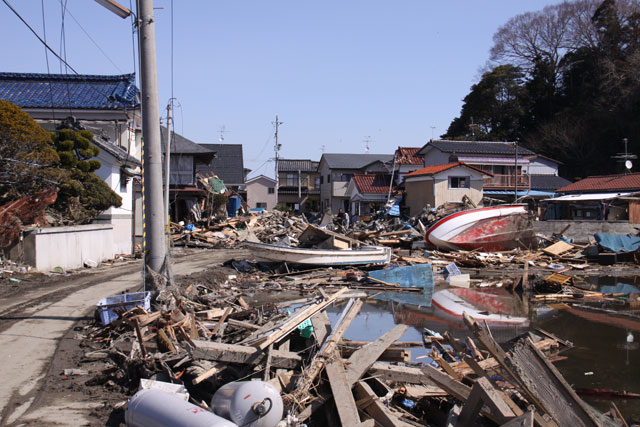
(496, 228)
(496, 306)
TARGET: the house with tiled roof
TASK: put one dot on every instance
(368, 193)
(299, 185)
(604, 197)
(435, 185)
(406, 160)
(261, 192)
(497, 158)
(109, 107)
(337, 169)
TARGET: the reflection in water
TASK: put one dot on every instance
(601, 340)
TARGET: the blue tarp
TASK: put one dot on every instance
(411, 276)
(618, 243)
(620, 288)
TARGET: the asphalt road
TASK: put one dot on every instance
(33, 323)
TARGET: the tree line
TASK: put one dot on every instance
(564, 82)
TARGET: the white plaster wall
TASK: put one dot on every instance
(68, 247)
(258, 191)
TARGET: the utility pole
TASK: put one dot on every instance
(277, 150)
(154, 223)
(167, 165)
(515, 174)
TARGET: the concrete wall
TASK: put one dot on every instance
(66, 247)
(580, 231)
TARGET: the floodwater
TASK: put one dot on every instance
(602, 356)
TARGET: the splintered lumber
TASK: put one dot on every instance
(483, 392)
(341, 390)
(543, 380)
(233, 353)
(391, 354)
(524, 420)
(557, 248)
(211, 372)
(401, 374)
(241, 324)
(292, 322)
(301, 392)
(362, 359)
(370, 403)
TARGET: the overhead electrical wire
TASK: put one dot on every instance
(39, 38)
(46, 57)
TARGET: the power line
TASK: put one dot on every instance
(39, 38)
(91, 38)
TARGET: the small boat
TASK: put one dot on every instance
(494, 306)
(309, 256)
(497, 228)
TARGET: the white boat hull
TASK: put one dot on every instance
(478, 305)
(306, 256)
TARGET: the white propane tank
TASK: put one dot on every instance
(249, 403)
(154, 408)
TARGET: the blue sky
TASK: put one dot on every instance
(337, 73)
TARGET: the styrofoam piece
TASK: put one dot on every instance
(460, 280)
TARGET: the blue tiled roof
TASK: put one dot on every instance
(69, 91)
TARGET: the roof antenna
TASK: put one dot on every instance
(367, 140)
(222, 131)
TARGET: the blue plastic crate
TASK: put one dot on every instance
(110, 308)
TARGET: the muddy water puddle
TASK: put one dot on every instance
(605, 355)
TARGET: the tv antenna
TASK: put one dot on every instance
(367, 141)
(625, 157)
(222, 132)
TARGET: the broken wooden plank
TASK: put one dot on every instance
(301, 394)
(362, 359)
(544, 381)
(296, 318)
(370, 403)
(524, 420)
(241, 324)
(211, 372)
(557, 248)
(341, 390)
(234, 353)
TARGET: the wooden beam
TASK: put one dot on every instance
(292, 322)
(524, 420)
(341, 389)
(233, 353)
(301, 392)
(369, 402)
(362, 359)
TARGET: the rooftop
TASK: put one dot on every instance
(78, 91)
(476, 147)
(409, 156)
(548, 182)
(291, 165)
(372, 183)
(435, 169)
(228, 163)
(593, 184)
(354, 161)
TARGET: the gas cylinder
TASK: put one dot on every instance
(249, 403)
(154, 408)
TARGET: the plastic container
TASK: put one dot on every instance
(249, 403)
(154, 408)
(110, 307)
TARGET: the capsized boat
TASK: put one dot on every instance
(496, 228)
(496, 306)
(380, 255)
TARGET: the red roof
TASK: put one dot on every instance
(372, 183)
(432, 170)
(630, 182)
(408, 156)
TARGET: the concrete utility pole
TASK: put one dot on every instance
(154, 212)
(515, 174)
(277, 150)
(167, 166)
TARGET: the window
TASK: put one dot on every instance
(261, 205)
(292, 180)
(317, 182)
(459, 182)
(271, 190)
(322, 180)
(346, 177)
(181, 170)
(328, 178)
